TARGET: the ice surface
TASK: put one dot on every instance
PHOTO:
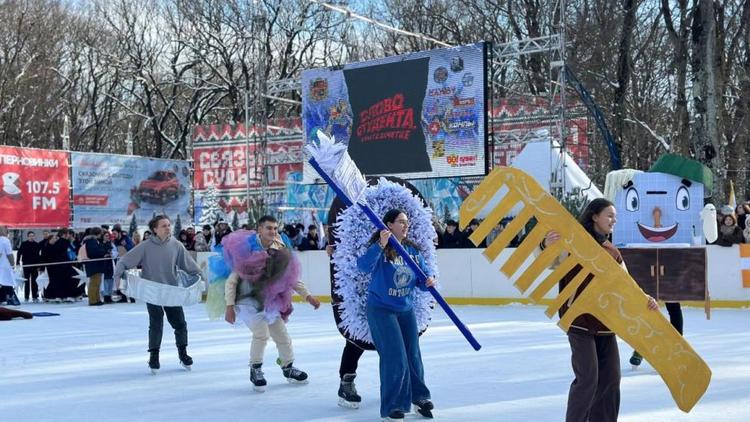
(90, 364)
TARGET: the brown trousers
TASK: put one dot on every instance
(95, 282)
(595, 393)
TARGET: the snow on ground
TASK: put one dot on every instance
(90, 364)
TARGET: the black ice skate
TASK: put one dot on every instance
(348, 396)
(396, 415)
(424, 407)
(294, 375)
(185, 360)
(636, 360)
(256, 377)
(153, 361)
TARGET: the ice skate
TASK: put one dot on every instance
(396, 415)
(294, 375)
(256, 377)
(424, 408)
(348, 396)
(153, 361)
(185, 360)
(636, 360)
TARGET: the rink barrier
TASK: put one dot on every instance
(477, 282)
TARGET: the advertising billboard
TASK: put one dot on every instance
(35, 188)
(420, 115)
(224, 158)
(115, 189)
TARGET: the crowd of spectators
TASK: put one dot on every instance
(95, 250)
(733, 227)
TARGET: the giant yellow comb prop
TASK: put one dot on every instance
(612, 296)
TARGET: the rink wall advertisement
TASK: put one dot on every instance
(35, 188)
(420, 115)
(111, 189)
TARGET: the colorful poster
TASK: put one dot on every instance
(225, 167)
(419, 115)
(35, 188)
(220, 162)
(115, 189)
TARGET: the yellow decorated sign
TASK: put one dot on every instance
(612, 296)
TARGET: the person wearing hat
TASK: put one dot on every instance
(222, 229)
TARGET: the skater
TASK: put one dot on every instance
(259, 290)
(349, 311)
(159, 258)
(390, 315)
(595, 392)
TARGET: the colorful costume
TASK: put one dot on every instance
(259, 285)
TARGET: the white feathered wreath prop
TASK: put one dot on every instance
(354, 231)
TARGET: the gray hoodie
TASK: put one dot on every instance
(159, 260)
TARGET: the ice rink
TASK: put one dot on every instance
(89, 364)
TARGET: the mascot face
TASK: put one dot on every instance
(658, 208)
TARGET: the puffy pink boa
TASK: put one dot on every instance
(243, 254)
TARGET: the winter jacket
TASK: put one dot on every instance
(729, 239)
(95, 250)
(454, 240)
(30, 252)
(310, 243)
(124, 244)
(392, 281)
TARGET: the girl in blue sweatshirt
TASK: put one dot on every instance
(393, 326)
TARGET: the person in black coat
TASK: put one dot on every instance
(310, 243)
(452, 237)
(59, 249)
(30, 252)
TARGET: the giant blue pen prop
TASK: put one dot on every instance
(332, 162)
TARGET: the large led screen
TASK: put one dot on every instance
(419, 115)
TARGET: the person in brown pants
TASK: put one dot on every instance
(96, 267)
(594, 394)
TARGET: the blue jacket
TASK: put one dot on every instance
(392, 281)
(94, 250)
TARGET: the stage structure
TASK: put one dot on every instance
(511, 121)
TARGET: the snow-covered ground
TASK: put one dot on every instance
(90, 364)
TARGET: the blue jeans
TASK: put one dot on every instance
(396, 339)
(107, 286)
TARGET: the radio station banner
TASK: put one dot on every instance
(35, 188)
(420, 115)
(115, 189)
